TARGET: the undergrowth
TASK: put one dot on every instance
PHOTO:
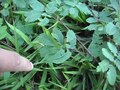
(74, 44)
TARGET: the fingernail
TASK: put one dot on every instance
(31, 65)
(26, 65)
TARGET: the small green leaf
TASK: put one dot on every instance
(107, 54)
(74, 12)
(103, 66)
(44, 39)
(115, 4)
(110, 28)
(112, 48)
(70, 3)
(64, 10)
(20, 3)
(51, 7)
(83, 8)
(117, 63)
(44, 22)
(48, 50)
(24, 27)
(5, 12)
(91, 20)
(92, 27)
(116, 37)
(58, 57)
(71, 38)
(57, 34)
(32, 15)
(111, 75)
(36, 5)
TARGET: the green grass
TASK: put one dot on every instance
(68, 42)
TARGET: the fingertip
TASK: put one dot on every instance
(12, 61)
(31, 65)
(25, 65)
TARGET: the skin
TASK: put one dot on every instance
(12, 61)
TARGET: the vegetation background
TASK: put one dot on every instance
(74, 44)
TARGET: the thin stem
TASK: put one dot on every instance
(55, 23)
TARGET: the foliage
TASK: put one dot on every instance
(74, 44)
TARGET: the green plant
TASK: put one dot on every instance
(74, 44)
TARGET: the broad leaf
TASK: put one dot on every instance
(111, 75)
(57, 34)
(74, 12)
(5, 12)
(59, 57)
(32, 15)
(97, 44)
(110, 28)
(91, 20)
(44, 39)
(92, 27)
(51, 7)
(36, 5)
(83, 8)
(20, 3)
(25, 28)
(71, 38)
(70, 3)
(107, 54)
(103, 66)
(112, 48)
(115, 4)
(48, 50)
(117, 63)
(64, 10)
(44, 22)
(116, 37)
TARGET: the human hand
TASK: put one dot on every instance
(11, 61)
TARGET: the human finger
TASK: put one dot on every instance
(12, 61)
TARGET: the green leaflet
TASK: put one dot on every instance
(74, 12)
(91, 20)
(112, 48)
(111, 75)
(51, 7)
(116, 37)
(72, 41)
(32, 15)
(115, 4)
(110, 28)
(103, 66)
(59, 57)
(20, 3)
(57, 34)
(44, 22)
(83, 8)
(5, 12)
(36, 5)
(107, 54)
